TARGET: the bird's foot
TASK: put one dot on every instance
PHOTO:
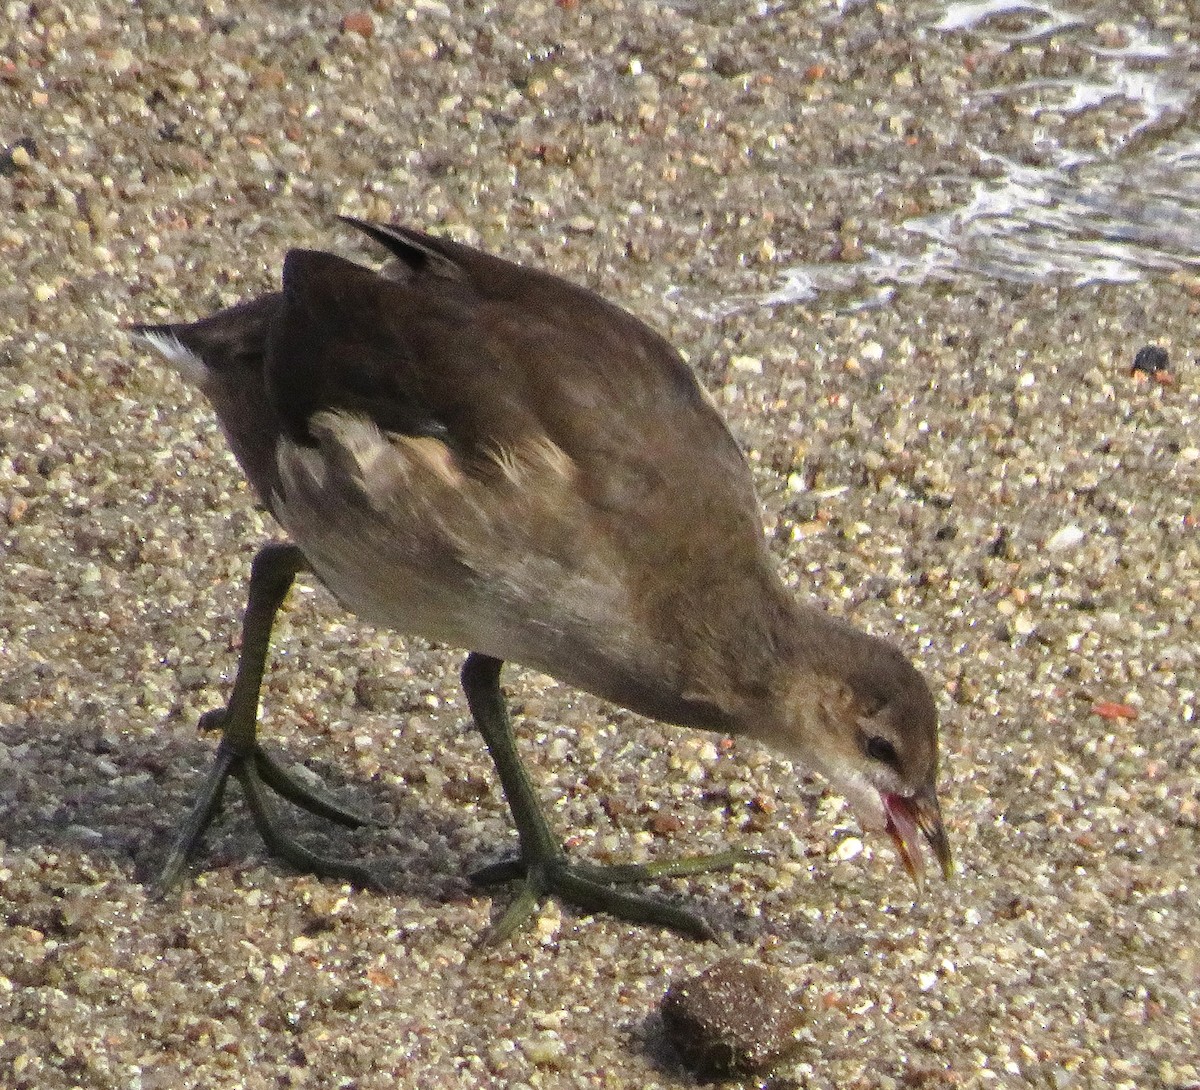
(258, 773)
(592, 888)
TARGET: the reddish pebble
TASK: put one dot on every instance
(1109, 709)
(665, 824)
(358, 22)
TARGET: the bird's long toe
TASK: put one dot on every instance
(258, 773)
(593, 889)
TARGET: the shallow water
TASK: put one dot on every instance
(1101, 183)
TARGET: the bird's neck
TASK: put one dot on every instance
(740, 659)
(732, 650)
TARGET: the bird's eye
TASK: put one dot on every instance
(880, 749)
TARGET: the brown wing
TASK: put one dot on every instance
(486, 356)
(492, 457)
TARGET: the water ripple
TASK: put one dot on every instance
(1081, 214)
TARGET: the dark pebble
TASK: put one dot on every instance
(1150, 359)
(7, 165)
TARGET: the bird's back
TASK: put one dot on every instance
(490, 456)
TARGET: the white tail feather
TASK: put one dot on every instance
(178, 355)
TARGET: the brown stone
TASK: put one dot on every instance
(735, 1018)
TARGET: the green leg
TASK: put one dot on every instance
(239, 754)
(542, 867)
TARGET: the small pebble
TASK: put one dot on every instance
(18, 157)
(850, 848)
(1067, 537)
(358, 22)
(1150, 359)
(735, 1018)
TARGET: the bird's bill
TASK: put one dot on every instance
(906, 815)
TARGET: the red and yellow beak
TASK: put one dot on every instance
(906, 815)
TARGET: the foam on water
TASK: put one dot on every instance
(1109, 211)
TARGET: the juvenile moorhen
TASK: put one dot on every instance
(496, 459)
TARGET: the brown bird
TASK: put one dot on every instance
(496, 459)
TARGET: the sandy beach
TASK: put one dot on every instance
(965, 464)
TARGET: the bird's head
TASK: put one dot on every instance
(858, 712)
